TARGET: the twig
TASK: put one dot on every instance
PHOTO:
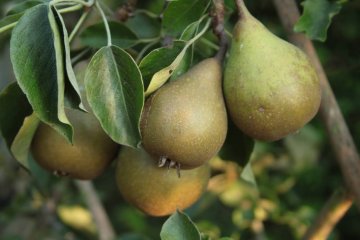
(337, 130)
(105, 229)
(218, 28)
(332, 212)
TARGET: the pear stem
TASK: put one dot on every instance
(219, 30)
(241, 8)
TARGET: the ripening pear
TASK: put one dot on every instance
(185, 121)
(270, 87)
(157, 191)
(87, 158)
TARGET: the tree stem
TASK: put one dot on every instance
(337, 130)
(332, 212)
(105, 229)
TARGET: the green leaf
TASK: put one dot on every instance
(95, 35)
(20, 147)
(159, 59)
(11, 18)
(115, 93)
(238, 147)
(14, 108)
(23, 6)
(179, 227)
(179, 14)
(36, 51)
(72, 91)
(191, 30)
(144, 25)
(9, 22)
(316, 17)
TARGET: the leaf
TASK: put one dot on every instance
(20, 149)
(23, 6)
(14, 108)
(21, 145)
(36, 52)
(115, 93)
(8, 22)
(179, 14)
(179, 227)
(191, 30)
(159, 59)
(72, 91)
(161, 76)
(11, 18)
(95, 35)
(237, 147)
(143, 25)
(316, 17)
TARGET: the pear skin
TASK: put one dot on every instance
(185, 120)
(157, 191)
(270, 87)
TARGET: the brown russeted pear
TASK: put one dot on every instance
(157, 191)
(270, 87)
(87, 158)
(185, 120)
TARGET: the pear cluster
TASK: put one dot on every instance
(270, 90)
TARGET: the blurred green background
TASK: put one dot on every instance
(294, 176)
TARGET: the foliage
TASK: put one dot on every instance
(152, 47)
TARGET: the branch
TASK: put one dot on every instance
(218, 28)
(337, 130)
(105, 229)
(332, 212)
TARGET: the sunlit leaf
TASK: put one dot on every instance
(115, 93)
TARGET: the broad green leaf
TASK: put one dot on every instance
(72, 91)
(179, 14)
(159, 59)
(21, 145)
(191, 30)
(115, 93)
(23, 6)
(95, 35)
(144, 25)
(14, 108)
(317, 16)
(179, 227)
(36, 51)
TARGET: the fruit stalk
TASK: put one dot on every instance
(338, 132)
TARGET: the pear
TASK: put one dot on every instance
(157, 191)
(270, 87)
(185, 121)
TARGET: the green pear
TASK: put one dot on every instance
(157, 191)
(185, 121)
(270, 87)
